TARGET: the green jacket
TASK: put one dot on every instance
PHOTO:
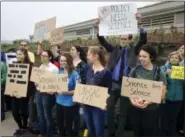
(3, 73)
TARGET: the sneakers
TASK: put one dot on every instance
(19, 132)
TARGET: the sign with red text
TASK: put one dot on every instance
(118, 19)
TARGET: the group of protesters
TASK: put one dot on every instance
(125, 59)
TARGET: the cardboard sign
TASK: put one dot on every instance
(57, 36)
(177, 72)
(37, 72)
(10, 58)
(17, 80)
(53, 82)
(145, 89)
(43, 27)
(91, 95)
(118, 19)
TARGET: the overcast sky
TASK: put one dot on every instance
(18, 18)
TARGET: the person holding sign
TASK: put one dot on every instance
(79, 61)
(123, 57)
(144, 115)
(46, 101)
(20, 105)
(65, 107)
(97, 75)
(174, 97)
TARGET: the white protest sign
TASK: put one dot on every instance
(17, 80)
(118, 19)
(42, 28)
(10, 58)
(145, 89)
(57, 36)
(91, 95)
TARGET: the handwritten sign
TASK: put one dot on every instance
(177, 72)
(91, 95)
(118, 19)
(17, 80)
(57, 36)
(145, 89)
(10, 58)
(44, 27)
(53, 82)
(37, 72)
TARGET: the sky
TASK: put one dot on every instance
(18, 18)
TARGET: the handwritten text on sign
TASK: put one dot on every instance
(44, 27)
(145, 89)
(57, 36)
(17, 80)
(53, 82)
(91, 95)
(118, 19)
(37, 72)
(177, 72)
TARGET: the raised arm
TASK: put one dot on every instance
(39, 48)
(102, 40)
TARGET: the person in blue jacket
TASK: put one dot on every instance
(174, 97)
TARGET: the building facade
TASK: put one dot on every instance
(163, 14)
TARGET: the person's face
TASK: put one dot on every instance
(181, 50)
(91, 57)
(144, 58)
(124, 41)
(174, 59)
(74, 53)
(63, 62)
(45, 57)
(20, 56)
(24, 45)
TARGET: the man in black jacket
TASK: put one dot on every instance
(123, 57)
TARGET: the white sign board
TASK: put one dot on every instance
(10, 58)
(118, 19)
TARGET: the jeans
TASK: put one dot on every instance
(45, 103)
(170, 111)
(94, 118)
(124, 106)
(77, 119)
(65, 118)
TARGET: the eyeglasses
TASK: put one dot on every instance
(124, 39)
(23, 45)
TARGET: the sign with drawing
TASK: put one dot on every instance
(118, 19)
(57, 36)
(42, 28)
(17, 80)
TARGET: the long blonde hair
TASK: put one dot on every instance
(174, 53)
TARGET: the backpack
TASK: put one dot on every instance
(156, 72)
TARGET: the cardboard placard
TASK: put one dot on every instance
(57, 36)
(17, 80)
(37, 72)
(43, 27)
(53, 82)
(145, 89)
(177, 72)
(118, 19)
(91, 95)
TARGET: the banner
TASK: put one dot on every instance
(177, 72)
(91, 95)
(42, 28)
(17, 80)
(57, 36)
(145, 89)
(118, 19)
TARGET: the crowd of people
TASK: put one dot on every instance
(126, 59)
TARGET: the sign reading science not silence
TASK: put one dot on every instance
(145, 89)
